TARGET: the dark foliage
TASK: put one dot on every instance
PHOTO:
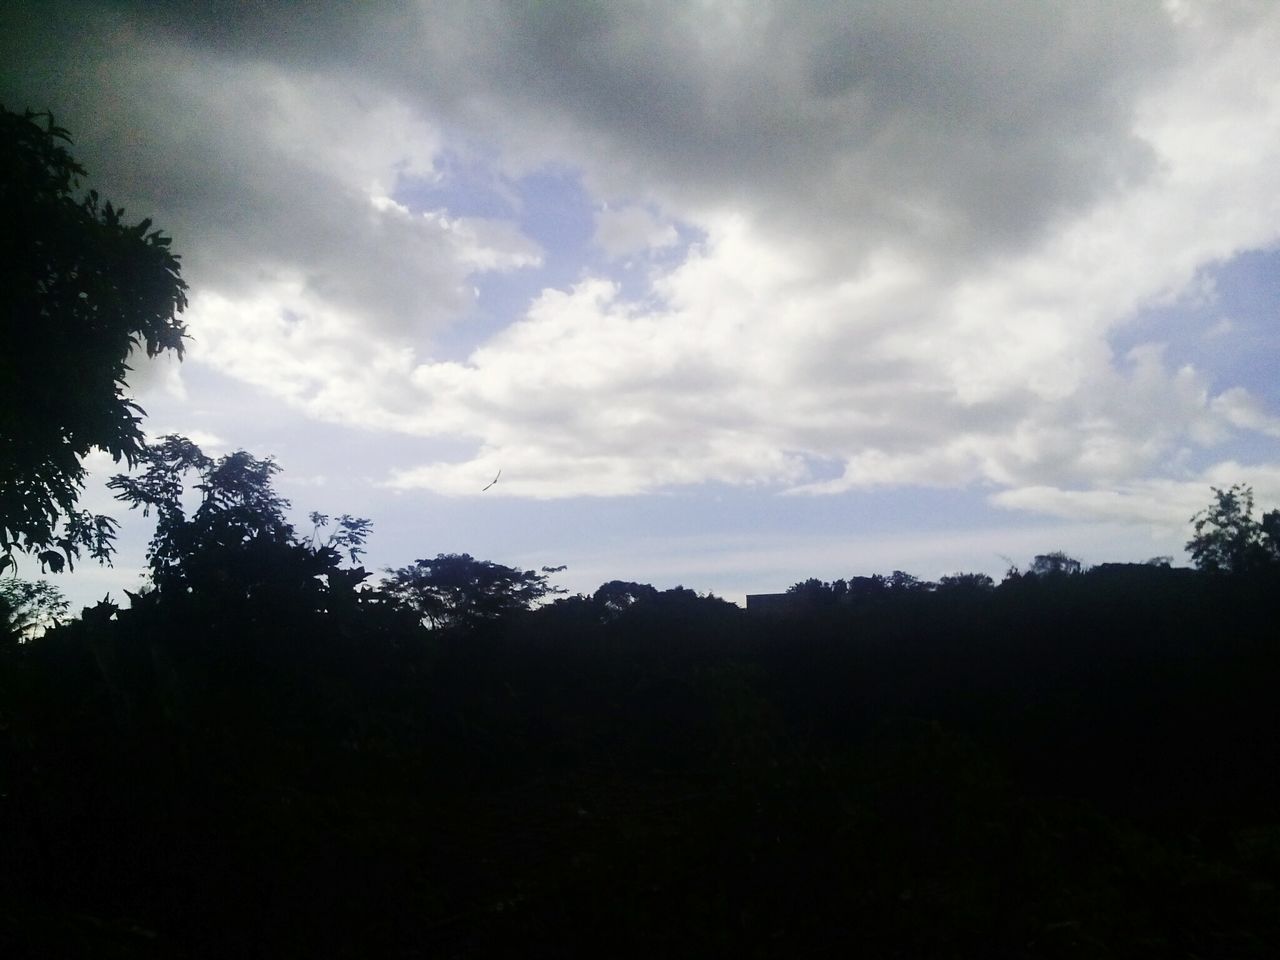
(1227, 537)
(28, 608)
(971, 582)
(457, 591)
(81, 288)
(1055, 564)
(1067, 764)
(237, 545)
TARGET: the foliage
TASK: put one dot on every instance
(970, 582)
(238, 538)
(616, 597)
(1060, 766)
(631, 607)
(28, 607)
(1055, 564)
(347, 536)
(458, 590)
(906, 583)
(1228, 539)
(82, 288)
(815, 593)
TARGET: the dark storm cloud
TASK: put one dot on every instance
(257, 169)
(934, 126)
(950, 130)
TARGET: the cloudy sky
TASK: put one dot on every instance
(732, 292)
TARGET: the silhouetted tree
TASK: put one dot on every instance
(455, 589)
(973, 582)
(812, 593)
(238, 541)
(906, 583)
(81, 289)
(1228, 539)
(1056, 563)
(617, 596)
(27, 607)
(867, 588)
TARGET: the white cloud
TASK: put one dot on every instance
(751, 366)
(155, 377)
(628, 230)
(480, 243)
(1242, 410)
(919, 372)
(209, 442)
(1165, 504)
(483, 243)
(300, 348)
(1222, 327)
(921, 231)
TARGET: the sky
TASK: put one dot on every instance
(732, 293)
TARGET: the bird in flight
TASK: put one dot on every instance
(491, 482)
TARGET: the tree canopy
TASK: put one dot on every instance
(238, 541)
(82, 288)
(455, 589)
(1055, 564)
(1227, 537)
(28, 607)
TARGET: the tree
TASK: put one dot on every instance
(1228, 539)
(27, 608)
(905, 583)
(238, 541)
(616, 597)
(1055, 564)
(861, 589)
(81, 289)
(967, 582)
(456, 590)
(812, 593)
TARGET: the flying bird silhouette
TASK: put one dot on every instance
(491, 482)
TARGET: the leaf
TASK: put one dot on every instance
(51, 559)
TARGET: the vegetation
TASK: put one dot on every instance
(1227, 537)
(263, 753)
(458, 591)
(237, 544)
(28, 609)
(81, 288)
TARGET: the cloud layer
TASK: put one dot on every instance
(919, 228)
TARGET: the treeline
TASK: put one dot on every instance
(267, 753)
